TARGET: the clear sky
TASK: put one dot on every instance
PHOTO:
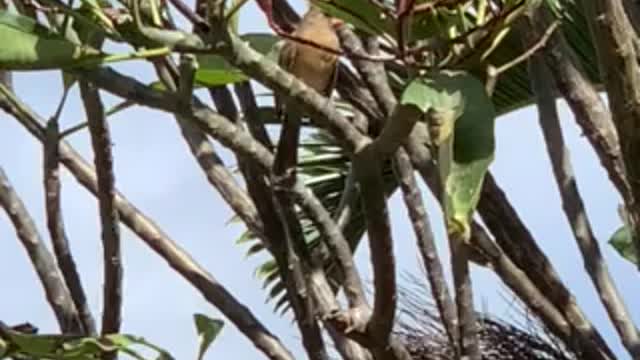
(155, 170)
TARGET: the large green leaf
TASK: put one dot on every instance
(360, 13)
(622, 242)
(68, 347)
(462, 118)
(214, 70)
(28, 45)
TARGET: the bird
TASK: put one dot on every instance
(315, 66)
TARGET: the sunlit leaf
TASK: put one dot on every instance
(458, 104)
(27, 45)
(622, 242)
(215, 71)
(71, 347)
(360, 13)
(208, 329)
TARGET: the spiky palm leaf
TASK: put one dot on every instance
(420, 329)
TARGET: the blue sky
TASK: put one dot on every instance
(157, 173)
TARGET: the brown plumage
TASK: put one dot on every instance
(314, 66)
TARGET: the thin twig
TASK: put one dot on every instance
(368, 170)
(43, 262)
(573, 206)
(615, 41)
(493, 73)
(55, 222)
(234, 137)
(110, 222)
(516, 240)
(426, 245)
(156, 239)
(374, 76)
(590, 111)
(282, 232)
(467, 320)
(210, 162)
(190, 15)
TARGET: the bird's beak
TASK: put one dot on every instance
(336, 23)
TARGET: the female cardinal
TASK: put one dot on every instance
(313, 65)
(316, 68)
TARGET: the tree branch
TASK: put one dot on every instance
(573, 205)
(368, 170)
(283, 231)
(374, 76)
(55, 224)
(210, 162)
(517, 242)
(156, 239)
(582, 97)
(55, 289)
(323, 296)
(228, 134)
(615, 41)
(103, 160)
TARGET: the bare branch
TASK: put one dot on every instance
(374, 76)
(616, 46)
(283, 234)
(493, 73)
(467, 322)
(517, 242)
(43, 263)
(573, 206)
(247, 100)
(103, 159)
(297, 262)
(426, 245)
(230, 135)
(525, 289)
(210, 162)
(582, 97)
(55, 224)
(369, 174)
(320, 289)
(156, 239)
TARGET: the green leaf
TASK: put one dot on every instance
(266, 269)
(71, 347)
(359, 13)
(462, 117)
(245, 237)
(215, 71)
(427, 93)
(622, 242)
(432, 24)
(28, 45)
(208, 329)
(255, 248)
